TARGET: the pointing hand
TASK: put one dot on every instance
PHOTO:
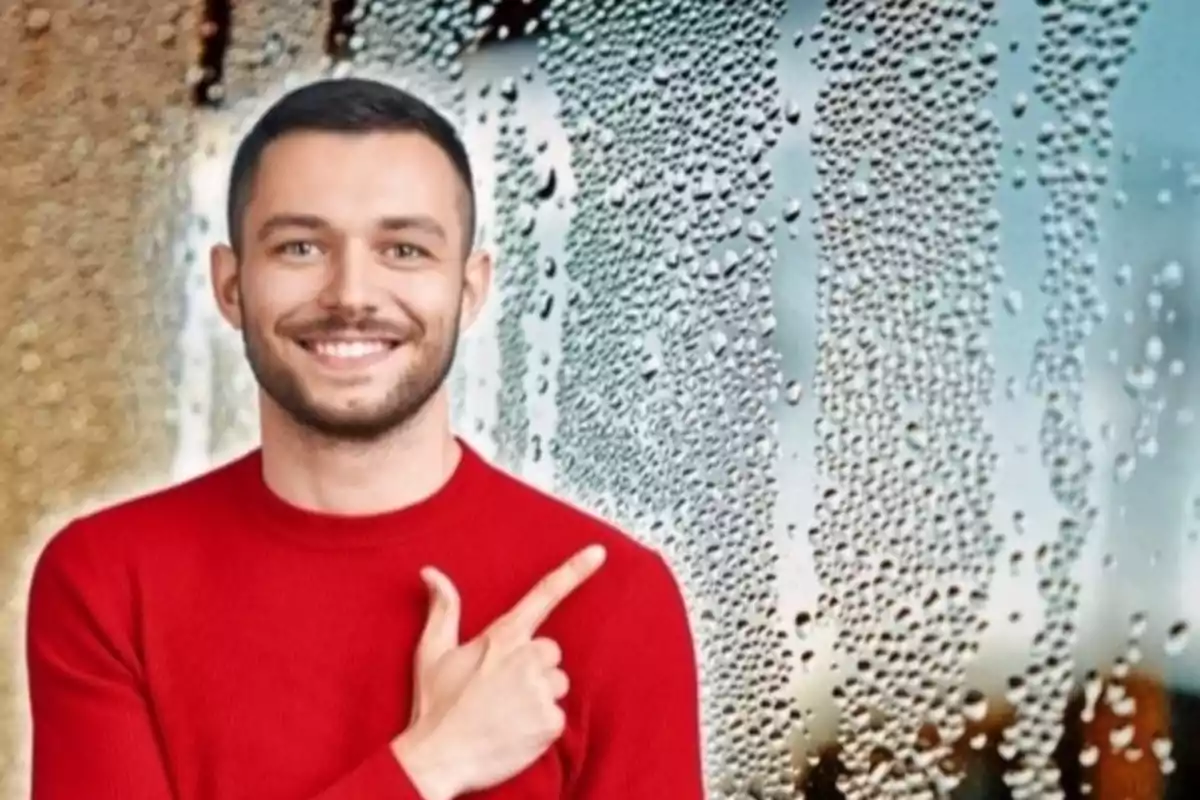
(486, 709)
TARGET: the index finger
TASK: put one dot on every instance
(528, 615)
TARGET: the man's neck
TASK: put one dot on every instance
(356, 479)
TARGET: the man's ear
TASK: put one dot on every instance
(477, 282)
(223, 267)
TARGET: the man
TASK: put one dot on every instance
(289, 626)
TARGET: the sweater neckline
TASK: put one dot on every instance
(329, 530)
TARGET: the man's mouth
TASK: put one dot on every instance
(341, 353)
(348, 348)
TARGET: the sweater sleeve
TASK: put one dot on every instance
(93, 729)
(643, 739)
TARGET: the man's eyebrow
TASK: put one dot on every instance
(277, 221)
(418, 222)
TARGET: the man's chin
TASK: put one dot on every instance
(357, 426)
(360, 411)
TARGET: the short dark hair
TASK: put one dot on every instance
(342, 105)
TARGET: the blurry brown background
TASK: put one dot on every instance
(96, 111)
(84, 397)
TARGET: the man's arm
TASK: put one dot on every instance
(643, 738)
(93, 732)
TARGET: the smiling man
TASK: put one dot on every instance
(362, 607)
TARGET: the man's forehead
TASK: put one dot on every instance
(356, 179)
(410, 171)
(373, 154)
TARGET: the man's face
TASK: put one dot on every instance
(354, 278)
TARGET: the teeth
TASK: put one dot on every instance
(355, 349)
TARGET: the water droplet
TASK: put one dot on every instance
(30, 362)
(1140, 379)
(975, 706)
(791, 210)
(37, 21)
(794, 392)
(547, 183)
(1161, 747)
(1121, 737)
(1154, 349)
(1014, 302)
(1177, 638)
(1020, 104)
(1171, 275)
(508, 90)
(1124, 466)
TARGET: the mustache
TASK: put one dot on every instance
(331, 324)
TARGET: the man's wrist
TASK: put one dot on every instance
(428, 772)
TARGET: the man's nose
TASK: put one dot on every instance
(348, 280)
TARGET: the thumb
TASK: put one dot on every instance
(440, 635)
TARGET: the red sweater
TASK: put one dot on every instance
(211, 642)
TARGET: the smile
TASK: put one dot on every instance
(349, 353)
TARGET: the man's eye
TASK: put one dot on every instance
(405, 251)
(301, 249)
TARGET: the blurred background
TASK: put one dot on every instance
(877, 318)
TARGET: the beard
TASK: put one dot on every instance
(425, 373)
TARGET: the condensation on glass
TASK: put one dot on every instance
(876, 317)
